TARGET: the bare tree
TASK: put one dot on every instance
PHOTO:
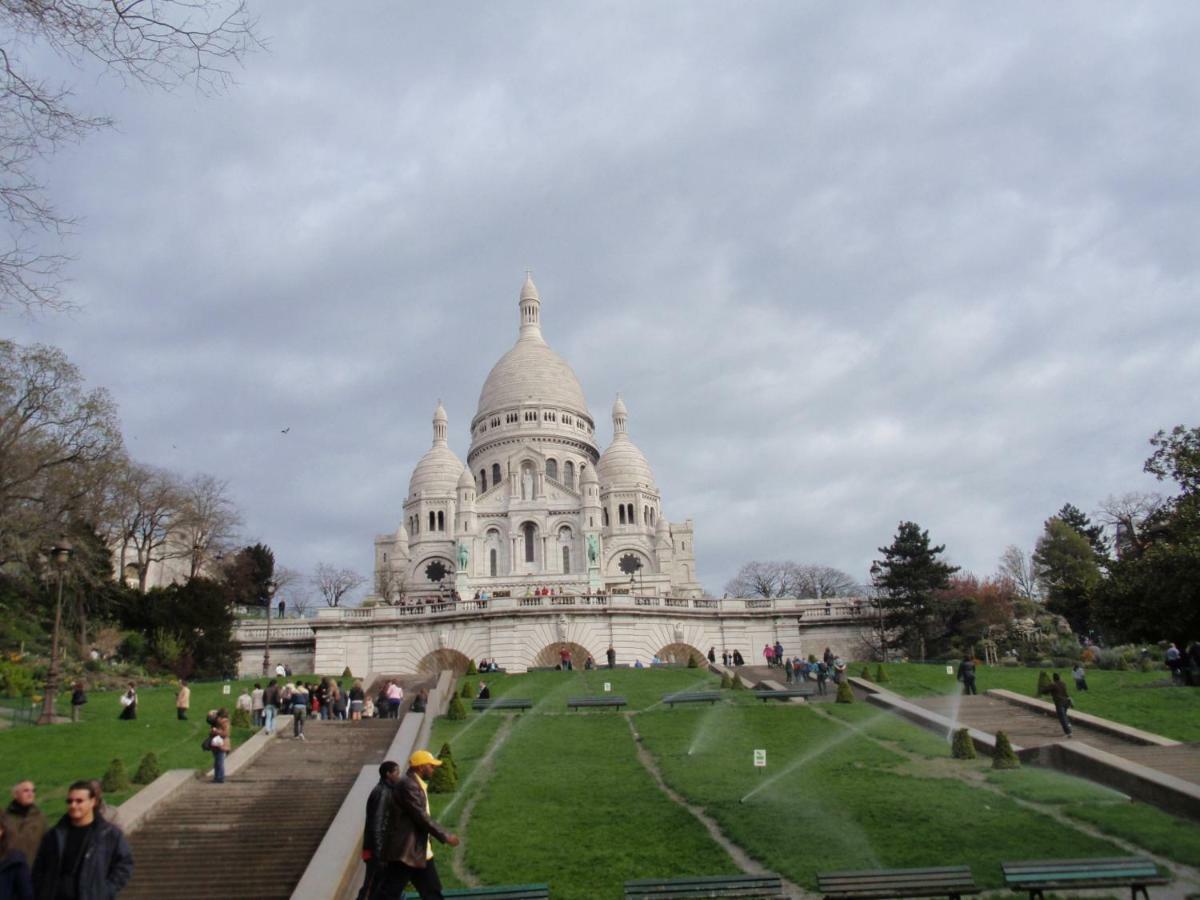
(207, 520)
(333, 584)
(58, 445)
(759, 579)
(153, 499)
(1133, 518)
(1016, 566)
(390, 584)
(157, 43)
(806, 580)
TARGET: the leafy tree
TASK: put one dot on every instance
(1093, 534)
(1068, 572)
(249, 575)
(200, 615)
(907, 580)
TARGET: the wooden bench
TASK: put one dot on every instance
(767, 887)
(784, 694)
(582, 702)
(879, 884)
(1133, 872)
(504, 892)
(691, 697)
(502, 703)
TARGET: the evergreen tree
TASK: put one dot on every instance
(456, 711)
(445, 777)
(908, 579)
(1093, 534)
(148, 769)
(963, 747)
(1004, 757)
(844, 693)
(1068, 572)
(116, 778)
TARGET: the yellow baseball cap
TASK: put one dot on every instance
(423, 758)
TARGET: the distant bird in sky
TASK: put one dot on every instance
(286, 430)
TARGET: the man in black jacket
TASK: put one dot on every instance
(378, 804)
(406, 848)
(83, 857)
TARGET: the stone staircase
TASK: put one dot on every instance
(252, 837)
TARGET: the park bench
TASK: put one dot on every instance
(784, 694)
(691, 697)
(581, 702)
(768, 887)
(502, 703)
(1133, 872)
(878, 884)
(504, 892)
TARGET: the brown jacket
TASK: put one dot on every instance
(222, 729)
(409, 825)
(24, 827)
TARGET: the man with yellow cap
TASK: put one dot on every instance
(407, 851)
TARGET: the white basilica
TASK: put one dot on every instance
(537, 505)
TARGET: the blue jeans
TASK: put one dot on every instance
(219, 766)
(269, 719)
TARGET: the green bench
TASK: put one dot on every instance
(1035, 877)
(784, 693)
(765, 887)
(504, 892)
(502, 703)
(691, 697)
(584, 702)
(880, 884)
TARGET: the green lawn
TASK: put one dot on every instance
(846, 786)
(1141, 699)
(56, 755)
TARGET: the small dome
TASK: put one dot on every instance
(624, 465)
(465, 480)
(437, 473)
(402, 535)
(529, 289)
(662, 527)
(439, 414)
(588, 475)
(619, 407)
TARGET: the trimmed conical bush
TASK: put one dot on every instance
(445, 777)
(962, 747)
(471, 670)
(726, 681)
(1043, 683)
(148, 769)
(865, 674)
(881, 676)
(467, 691)
(844, 694)
(456, 711)
(240, 718)
(1004, 757)
(116, 779)
(737, 684)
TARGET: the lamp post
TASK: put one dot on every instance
(272, 586)
(60, 554)
(875, 573)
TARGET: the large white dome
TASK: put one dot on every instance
(531, 372)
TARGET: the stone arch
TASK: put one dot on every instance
(679, 652)
(444, 658)
(612, 567)
(550, 655)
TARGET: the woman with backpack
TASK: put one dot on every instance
(129, 703)
(220, 743)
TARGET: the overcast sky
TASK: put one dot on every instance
(848, 264)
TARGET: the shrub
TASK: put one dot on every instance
(1043, 684)
(881, 676)
(726, 681)
(116, 779)
(240, 718)
(467, 691)
(738, 684)
(346, 673)
(471, 670)
(1004, 757)
(866, 674)
(812, 657)
(456, 712)
(167, 647)
(963, 747)
(692, 664)
(844, 694)
(445, 777)
(15, 680)
(133, 647)
(148, 769)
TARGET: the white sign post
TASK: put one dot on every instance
(607, 686)
(226, 689)
(949, 670)
(760, 759)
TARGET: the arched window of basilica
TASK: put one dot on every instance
(432, 521)
(569, 474)
(630, 514)
(493, 562)
(552, 469)
(620, 512)
(530, 532)
(482, 480)
(441, 521)
(605, 511)
(566, 554)
(495, 473)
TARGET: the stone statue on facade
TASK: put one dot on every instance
(464, 556)
(593, 545)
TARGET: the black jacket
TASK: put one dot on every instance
(378, 813)
(409, 825)
(106, 862)
(14, 877)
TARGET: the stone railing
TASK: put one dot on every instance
(255, 633)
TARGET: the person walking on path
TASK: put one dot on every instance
(222, 743)
(787, 670)
(779, 653)
(611, 655)
(1175, 663)
(966, 674)
(712, 655)
(395, 696)
(245, 702)
(129, 703)
(23, 822)
(256, 706)
(271, 703)
(299, 708)
(769, 655)
(78, 699)
(183, 700)
(1080, 675)
(407, 851)
(822, 675)
(378, 807)
(84, 856)
(1062, 701)
(16, 880)
(357, 698)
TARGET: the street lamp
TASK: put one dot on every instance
(272, 587)
(60, 555)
